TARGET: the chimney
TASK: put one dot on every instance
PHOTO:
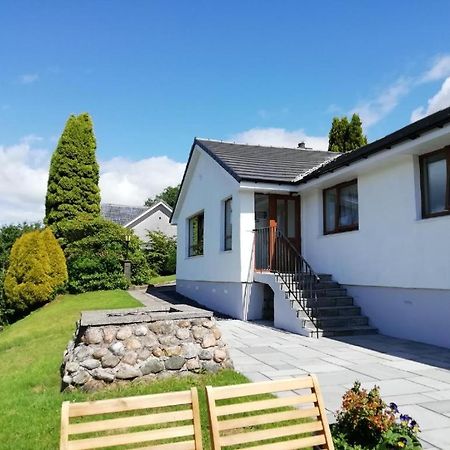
(301, 145)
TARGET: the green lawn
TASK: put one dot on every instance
(31, 352)
(161, 279)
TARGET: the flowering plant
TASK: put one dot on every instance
(365, 421)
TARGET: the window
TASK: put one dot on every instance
(228, 228)
(435, 183)
(340, 208)
(196, 235)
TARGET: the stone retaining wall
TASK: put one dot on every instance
(102, 353)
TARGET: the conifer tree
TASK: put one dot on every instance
(346, 135)
(74, 174)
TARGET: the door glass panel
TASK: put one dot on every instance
(330, 210)
(281, 215)
(261, 210)
(291, 219)
(436, 185)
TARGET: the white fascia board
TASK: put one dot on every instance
(148, 213)
(428, 142)
(268, 188)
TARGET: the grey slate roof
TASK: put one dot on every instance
(121, 214)
(260, 163)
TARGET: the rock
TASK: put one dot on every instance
(99, 353)
(127, 372)
(143, 353)
(81, 377)
(93, 335)
(124, 333)
(192, 364)
(168, 340)
(184, 324)
(117, 349)
(175, 363)
(208, 323)
(110, 360)
(109, 334)
(162, 327)
(140, 330)
(157, 352)
(152, 365)
(174, 350)
(92, 385)
(130, 358)
(199, 332)
(228, 364)
(83, 352)
(133, 344)
(67, 379)
(149, 340)
(90, 363)
(102, 374)
(205, 354)
(208, 340)
(210, 366)
(216, 332)
(72, 366)
(220, 355)
(183, 334)
(189, 350)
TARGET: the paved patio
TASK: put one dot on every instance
(413, 375)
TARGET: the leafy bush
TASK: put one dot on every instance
(36, 271)
(162, 253)
(95, 249)
(365, 422)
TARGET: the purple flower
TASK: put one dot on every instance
(394, 407)
(402, 442)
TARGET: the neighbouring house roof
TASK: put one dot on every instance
(130, 216)
(410, 132)
(262, 163)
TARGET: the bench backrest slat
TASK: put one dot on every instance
(181, 423)
(295, 420)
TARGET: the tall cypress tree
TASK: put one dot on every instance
(346, 135)
(74, 174)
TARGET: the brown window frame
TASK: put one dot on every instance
(423, 178)
(227, 238)
(199, 248)
(338, 228)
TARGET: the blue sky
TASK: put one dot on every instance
(154, 74)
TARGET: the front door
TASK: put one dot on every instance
(284, 213)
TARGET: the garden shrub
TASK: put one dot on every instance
(95, 249)
(32, 278)
(162, 253)
(365, 422)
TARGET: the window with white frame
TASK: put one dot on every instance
(196, 226)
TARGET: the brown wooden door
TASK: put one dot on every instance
(284, 213)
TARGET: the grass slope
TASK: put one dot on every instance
(31, 352)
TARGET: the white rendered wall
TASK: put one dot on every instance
(157, 221)
(206, 189)
(393, 247)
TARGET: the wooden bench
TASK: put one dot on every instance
(110, 432)
(291, 421)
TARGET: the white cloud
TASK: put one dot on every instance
(28, 78)
(439, 101)
(373, 110)
(132, 182)
(438, 71)
(280, 137)
(24, 174)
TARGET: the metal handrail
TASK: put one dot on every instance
(275, 253)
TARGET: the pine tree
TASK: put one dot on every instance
(74, 174)
(58, 267)
(346, 136)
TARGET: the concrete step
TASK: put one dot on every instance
(341, 321)
(337, 311)
(342, 331)
(324, 302)
(325, 276)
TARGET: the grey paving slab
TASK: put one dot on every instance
(427, 419)
(439, 406)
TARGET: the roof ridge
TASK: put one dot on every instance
(123, 205)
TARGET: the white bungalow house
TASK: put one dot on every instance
(141, 219)
(323, 243)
